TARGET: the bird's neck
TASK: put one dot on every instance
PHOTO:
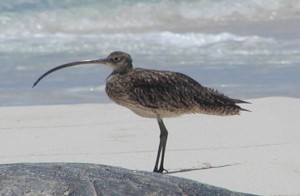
(116, 74)
(123, 70)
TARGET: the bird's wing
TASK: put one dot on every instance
(172, 90)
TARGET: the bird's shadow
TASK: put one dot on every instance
(200, 168)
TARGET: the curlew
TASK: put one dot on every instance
(158, 94)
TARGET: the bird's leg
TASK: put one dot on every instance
(162, 146)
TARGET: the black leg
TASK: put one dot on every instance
(161, 147)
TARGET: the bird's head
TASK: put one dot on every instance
(119, 61)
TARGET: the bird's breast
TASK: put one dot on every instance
(116, 88)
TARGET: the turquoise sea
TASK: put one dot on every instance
(245, 49)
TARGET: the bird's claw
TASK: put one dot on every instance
(161, 170)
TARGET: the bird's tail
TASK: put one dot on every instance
(241, 101)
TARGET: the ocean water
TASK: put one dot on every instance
(245, 49)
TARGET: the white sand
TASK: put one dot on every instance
(260, 151)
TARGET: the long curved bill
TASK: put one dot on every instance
(97, 61)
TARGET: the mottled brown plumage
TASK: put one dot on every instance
(158, 94)
(151, 93)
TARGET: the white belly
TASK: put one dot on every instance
(150, 113)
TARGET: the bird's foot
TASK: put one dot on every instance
(160, 170)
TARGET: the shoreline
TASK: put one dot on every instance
(255, 152)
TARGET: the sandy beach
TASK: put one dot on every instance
(255, 152)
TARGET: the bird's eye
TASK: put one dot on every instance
(116, 59)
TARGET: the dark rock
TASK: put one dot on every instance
(91, 179)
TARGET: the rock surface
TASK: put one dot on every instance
(92, 179)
